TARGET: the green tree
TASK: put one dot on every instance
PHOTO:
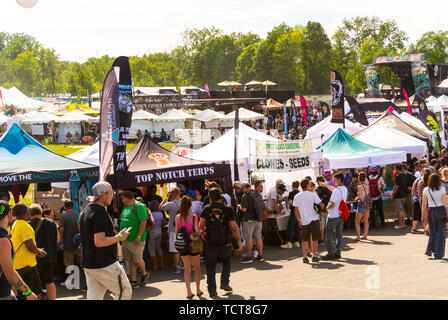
(245, 63)
(25, 71)
(435, 47)
(80, 80)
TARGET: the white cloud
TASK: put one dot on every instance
(78, 29)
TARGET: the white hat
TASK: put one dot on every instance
(279, 181)
(98, 190)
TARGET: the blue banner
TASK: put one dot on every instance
(285, 120)
(294, 116)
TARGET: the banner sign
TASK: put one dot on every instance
(282, 155)
(337, 94)
(47, 177)
(294, 115)
(303, 108)
(285, 120)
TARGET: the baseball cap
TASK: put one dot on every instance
(237, 184)
(4, 209)
(244, 185)
(327, 173)
(191, 193)
(215, 194)
(279, 181)
(374, 169)
(282, 187)
(99, 189)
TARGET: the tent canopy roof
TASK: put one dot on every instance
(344, 151)
(24, 161)
(208, 115)
(143, 115)
(174, 115)
(73, 117)
(79, 108)
(245, 115)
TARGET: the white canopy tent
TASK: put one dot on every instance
(245, 115)
(212, 119)
(37, 117)
(327, 128)
(141, 120)
(70, 122)
(222, 149)
(391, 139)
(173, 119)
(15, 97)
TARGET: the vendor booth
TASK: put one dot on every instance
(174, 119)
(25, 161)
(141, 120)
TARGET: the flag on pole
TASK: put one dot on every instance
(285, 119)
(303, 107)
(337, 97)
(207, 90)
(358, 112)
(1, 97)
(294, 115)
(407, 100)
(115, 118)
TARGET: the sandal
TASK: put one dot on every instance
(414, 231)
(200, 294)
(364, 238)
(356, 239)
(190, 297)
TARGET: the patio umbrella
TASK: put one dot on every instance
(224, 83)
(252, 83)
(234, 83)
(268, 83)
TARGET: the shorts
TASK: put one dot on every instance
(417, 211)
(172, 240)
(155, 243)
(323, 215)
(399, 204)
(252, 230)
(72, 257)
(408, 204)
(30, 276)
(360, 208)
(133, 253)
(46, 271)
(311, 229)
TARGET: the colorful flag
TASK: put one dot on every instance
(207, 90)
(285, 120)
(1, 97)
(304, 107)
(337, 94)
(294, 115)
(115, 118)
(407, 100)
(325, 109)
(421, 103)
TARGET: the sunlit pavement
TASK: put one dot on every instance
(390, 265)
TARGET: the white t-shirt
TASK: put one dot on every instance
(228, 199)
(338, 194)
(437, 195)
(273, 195)
(305, 202)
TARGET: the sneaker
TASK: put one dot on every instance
(176, 270)
(227, 288)
(305, 260)
(287, 245)
(296, 244)
(247, 260)
(328, 257)
(244, 255)
(259, 259)
(315, 259)
(134, 284)
(337, 255)
(143, 279)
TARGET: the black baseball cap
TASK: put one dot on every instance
(4, 209)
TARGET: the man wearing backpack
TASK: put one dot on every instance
(335, 223)
(253, 208)
(218, 220)
(377, 186)
(134, 215)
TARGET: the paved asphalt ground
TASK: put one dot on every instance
(390, 265)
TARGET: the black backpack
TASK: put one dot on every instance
(252, 212)
(182, 243)
(216, 230)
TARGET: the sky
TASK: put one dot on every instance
(79, 29)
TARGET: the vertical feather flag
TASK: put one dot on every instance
(207, 90)
(407, 100)
(358, 113)
(285, 120)
(115, 118)
(294, 115)
(303, 107)
(337, 95)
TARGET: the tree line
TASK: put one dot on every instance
(295, 57)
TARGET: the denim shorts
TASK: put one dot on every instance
(360, 208)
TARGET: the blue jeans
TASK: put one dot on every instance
(293, 229)
(437, 232)
(334, 225)
(213, 255)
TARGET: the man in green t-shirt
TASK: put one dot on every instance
(135, 216)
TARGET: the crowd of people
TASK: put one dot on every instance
(209, 227)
